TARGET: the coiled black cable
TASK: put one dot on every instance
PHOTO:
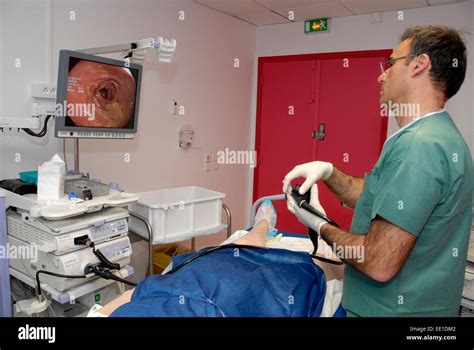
(104, 261)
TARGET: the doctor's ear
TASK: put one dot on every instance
(421, 63)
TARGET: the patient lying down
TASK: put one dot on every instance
(235, 281)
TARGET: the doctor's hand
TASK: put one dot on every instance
(305, 217)
(313, 172)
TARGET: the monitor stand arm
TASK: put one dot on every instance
(134, 52)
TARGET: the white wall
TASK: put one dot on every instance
(202, 78)
(24, 36)
(357, 33)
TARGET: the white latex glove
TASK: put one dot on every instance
(313, 172)
(305, 217)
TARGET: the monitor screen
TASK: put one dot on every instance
(97, 97)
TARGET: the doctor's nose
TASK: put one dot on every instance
(381, 78)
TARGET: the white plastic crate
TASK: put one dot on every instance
(177, 214)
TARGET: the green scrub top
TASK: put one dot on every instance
(422, 183)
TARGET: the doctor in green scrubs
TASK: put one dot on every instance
(412, 212)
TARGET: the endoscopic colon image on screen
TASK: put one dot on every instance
(106, 91)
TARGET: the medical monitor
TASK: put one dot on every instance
(96, 97)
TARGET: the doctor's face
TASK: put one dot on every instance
(394, 79)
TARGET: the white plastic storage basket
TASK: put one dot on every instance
(177, 214)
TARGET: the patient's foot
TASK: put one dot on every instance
(266, 211)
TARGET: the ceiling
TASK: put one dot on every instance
(265, 12)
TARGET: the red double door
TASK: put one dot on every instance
(317, 107)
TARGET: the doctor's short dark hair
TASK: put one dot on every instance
(447, 53)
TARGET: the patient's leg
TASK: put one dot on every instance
(257, 236)
(265, 221)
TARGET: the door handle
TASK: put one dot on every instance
(321, 133)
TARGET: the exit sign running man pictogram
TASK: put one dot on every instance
(316, 25)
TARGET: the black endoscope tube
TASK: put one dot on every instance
(314, 211)
(302, 200)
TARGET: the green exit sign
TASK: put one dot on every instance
(316, 25)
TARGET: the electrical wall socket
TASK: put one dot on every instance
(44, 90)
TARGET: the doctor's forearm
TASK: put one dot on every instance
(347, 188)
(379, 254)
(341, 241)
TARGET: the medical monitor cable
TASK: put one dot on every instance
(43, 131)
